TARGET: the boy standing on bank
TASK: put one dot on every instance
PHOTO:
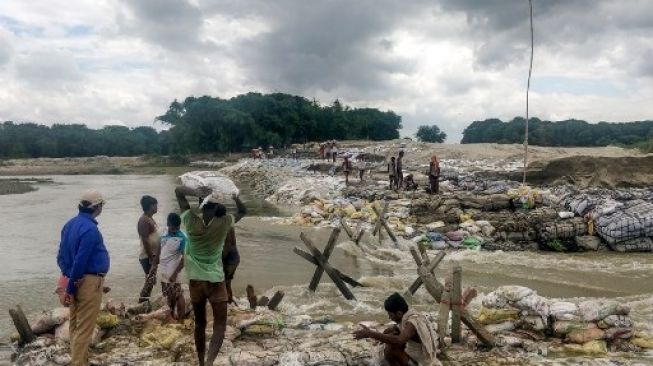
(170, 262)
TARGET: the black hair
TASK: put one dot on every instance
(395, 303)
(174, 219)
(392, 158)
(220, 210)
(85, 207)
(147, 202)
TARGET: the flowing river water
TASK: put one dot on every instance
(32, 224)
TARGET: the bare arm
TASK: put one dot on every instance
(228, 243)
(240, 206)
(144, 231)
(407, 333)
(180, 266)
(181, 192)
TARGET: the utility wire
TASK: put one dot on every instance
(528, 88)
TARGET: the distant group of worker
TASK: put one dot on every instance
(329, 150)
(397, 179)
(259, 153)
(207, 252)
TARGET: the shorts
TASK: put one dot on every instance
(200, 291)
(170, 290)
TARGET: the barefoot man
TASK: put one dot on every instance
(412, 342)
(207, 230)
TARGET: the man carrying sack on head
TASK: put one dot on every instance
(84, 260)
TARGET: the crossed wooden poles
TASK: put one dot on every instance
(321, 260)
(381, 223)
(450, 298)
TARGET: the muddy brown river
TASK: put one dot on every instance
(32, 224)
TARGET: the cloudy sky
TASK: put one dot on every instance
(447, 62)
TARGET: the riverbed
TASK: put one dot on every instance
(33, 221)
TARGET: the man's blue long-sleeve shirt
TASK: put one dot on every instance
(81, 250)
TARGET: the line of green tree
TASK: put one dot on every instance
(30, 140)
(206, 125)
(563, 133)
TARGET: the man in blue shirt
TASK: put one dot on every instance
(84, 259)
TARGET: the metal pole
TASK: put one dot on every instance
(528, 87)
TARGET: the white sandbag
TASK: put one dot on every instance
(48, 320)
(222, 188)
(591, 311)
(513, 293)
(535, 304)
(62, 333)
(616, 321)
(564, 311)
(500, 327)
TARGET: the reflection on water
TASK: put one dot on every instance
(32, 223)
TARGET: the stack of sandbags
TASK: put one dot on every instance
(567, 229)
(628, 228)
(515, 307)
(222, 188)
(591, 323)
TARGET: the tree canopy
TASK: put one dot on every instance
(208, 124)
(430, 134)
(563, 133)
(30, 140)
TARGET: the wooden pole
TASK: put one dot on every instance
(431, 266)
(327, 268)
(387, 228)
(456, 303)
(435, 289)
(276, 300)
(344, 277)
(326, 254)
(251, 297)
(22, 325)
(443, 318)
(345, 226)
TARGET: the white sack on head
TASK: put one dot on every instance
(222, 188)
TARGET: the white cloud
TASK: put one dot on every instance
(447, 62)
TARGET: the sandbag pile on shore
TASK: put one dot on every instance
(591, 327)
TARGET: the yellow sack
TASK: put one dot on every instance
(160, 336)
(584, 336)
(589, 348)
(494, 316)
(465, 217)
(106, 320)
(642, 340)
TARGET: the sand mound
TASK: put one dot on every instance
(590, 171)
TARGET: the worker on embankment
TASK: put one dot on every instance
(400, 170)
(84, 260)
(392, 173)
(346, 168)
(412, 341)
(148, 233)
(170, 262)
(434, 175)
(207, 230)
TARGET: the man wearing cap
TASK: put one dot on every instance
(84, 259)
(207, 230)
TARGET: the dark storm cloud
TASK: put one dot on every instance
(327, 45)
(172, 24)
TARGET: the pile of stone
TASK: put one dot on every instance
(590, 327)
